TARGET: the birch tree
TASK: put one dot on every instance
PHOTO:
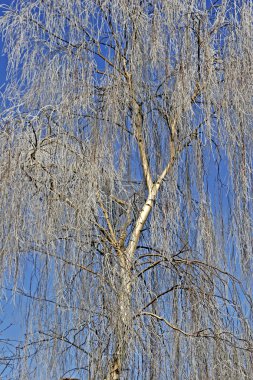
(126, 188)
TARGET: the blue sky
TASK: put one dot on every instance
(3, 60)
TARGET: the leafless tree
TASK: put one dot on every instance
(126, 188)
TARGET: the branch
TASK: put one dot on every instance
(201, 333)
(162, 294)
(138, 126)
(149, 267)
(174, 327)
(111, 230)
(54, 336)
(69, 262)
(146, 209)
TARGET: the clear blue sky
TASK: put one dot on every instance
(3, 60)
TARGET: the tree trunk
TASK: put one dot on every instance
(124, 320)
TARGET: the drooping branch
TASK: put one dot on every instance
(203, 333)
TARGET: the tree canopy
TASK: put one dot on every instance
(126, 188)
